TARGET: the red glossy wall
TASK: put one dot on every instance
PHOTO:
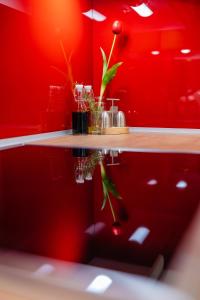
(34, 96)
(155, 90)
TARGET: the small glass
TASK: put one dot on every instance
(121, 122)
(95, 124)
(106, 119)
(113, 111)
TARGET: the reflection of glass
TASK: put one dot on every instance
(81, 155)
(85, 164)
(79, 171)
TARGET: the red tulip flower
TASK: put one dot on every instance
(117, 27)
(109, 72)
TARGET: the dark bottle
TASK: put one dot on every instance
(80, 117)
(80, 122)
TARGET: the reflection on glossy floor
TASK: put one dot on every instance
(52, 205)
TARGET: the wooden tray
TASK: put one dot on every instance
(115, 130)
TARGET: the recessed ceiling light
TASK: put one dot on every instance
(143, 10)
(94, 15)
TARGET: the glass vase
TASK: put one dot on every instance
(95, 124)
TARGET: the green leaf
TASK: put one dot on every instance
(103, 171)
(112, 189)
(105, 64)
(108, 187)
(108, 76)
(105, 193)
(110, 73)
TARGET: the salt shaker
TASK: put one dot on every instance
(121, 122)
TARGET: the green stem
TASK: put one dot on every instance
(111, 50)
(103, 172)
(111, 207)
(110, 55)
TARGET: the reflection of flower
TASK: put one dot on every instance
(84, 171)
(116, 228)
(68, 76)
(108, 188)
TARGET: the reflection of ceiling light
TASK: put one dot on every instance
(18, 5)
(143, 10)
(95, 228)
(139, 235)
(94, 15)
(181, 184)
(155, 52)
(185, 51)
(44, 270)
(100, 284)
(152, 182)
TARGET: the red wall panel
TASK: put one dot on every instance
(155, 90)
(34, 96)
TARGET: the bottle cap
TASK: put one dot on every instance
(79, 87)
(88, 88)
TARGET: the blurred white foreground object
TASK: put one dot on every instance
(20, 279)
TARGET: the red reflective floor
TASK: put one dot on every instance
(47, 209)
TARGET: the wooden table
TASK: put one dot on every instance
(135, 141)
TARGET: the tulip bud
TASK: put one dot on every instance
(117, 27)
